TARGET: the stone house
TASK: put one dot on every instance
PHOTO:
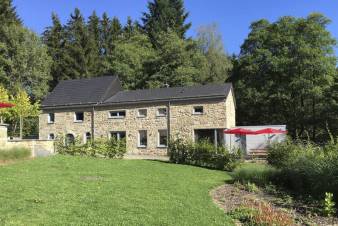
(99, 107)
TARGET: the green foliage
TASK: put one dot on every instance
(177, 62)
(203, 154)
(108, 148)
(14, 154)
(164, 16)
(329, 204)
(8, 13)
(209, 40)
(285, 73)
(251, 187)
(26, 62)
(306, 169)
(23, 108)
(260, 174)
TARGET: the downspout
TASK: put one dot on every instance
(93, 123)
(168, 123)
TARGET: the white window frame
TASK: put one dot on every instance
(75, 120)
(139, 139)
(119, 116)
(118, 134)
(158, 114)
(49, 136)
(49, 118)
(142, 116)
(198, 113)
(159, 140)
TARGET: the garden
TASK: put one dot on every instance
(201, 185)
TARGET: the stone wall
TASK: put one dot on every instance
(37, 147)
(218, 114)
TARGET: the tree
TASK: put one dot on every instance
(164, 16)
(3, 99)
(8, 13)
(24, 61)
(94, 36)
(209, 40)
(284, 72)
(129, 58)
(177, 63)
(23, 108)
(79, 52)
(54, 38)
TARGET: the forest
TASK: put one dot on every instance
(286, 71)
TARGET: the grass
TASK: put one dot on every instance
(258, 173)
(14, 154)
(65, 190)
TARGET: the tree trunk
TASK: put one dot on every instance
(21, 125)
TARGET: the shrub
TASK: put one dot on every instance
(306, 168)
(203, 154)
(14, 153)
(108, 148)
(261, 213)
(260, 174)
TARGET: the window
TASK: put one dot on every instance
(162, 112)
(214, 136)
(70, 139)
(79, 116)
(51, 117)
(142, 138)
(88, 137)
(198, 110)
(142, 113)
(51, 136)
(117, 114)
(162, 138)
(118, 134)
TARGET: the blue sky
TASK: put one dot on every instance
(233, 16)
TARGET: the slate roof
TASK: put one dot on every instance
(107, 90)
(175, 93)
(82, 91)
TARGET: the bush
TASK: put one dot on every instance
(306, 168)
(108, 148)
(14, 154)
(203, 154)
(260, 174)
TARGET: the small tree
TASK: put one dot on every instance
(23, 108)
(3, 98)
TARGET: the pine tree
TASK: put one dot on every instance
(105, 35)
(164, 16)
(54, 38)
(79, 52)
(8, 13)
(94, 36)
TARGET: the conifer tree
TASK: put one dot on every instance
(164, 16)
(8, 13)
(54, 38)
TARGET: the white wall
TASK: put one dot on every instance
(254, 141)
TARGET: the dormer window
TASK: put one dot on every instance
(78, 117)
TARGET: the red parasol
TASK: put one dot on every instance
(240, 131)
(270, 131)
(6, 105)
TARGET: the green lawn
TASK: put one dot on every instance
(64, 190)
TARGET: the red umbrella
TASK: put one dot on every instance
(270, 131)
(6, 105)
(240, 131)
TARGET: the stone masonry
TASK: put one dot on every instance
(217, 114)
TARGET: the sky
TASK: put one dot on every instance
(232, 16)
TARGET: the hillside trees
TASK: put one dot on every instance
(285, 74)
